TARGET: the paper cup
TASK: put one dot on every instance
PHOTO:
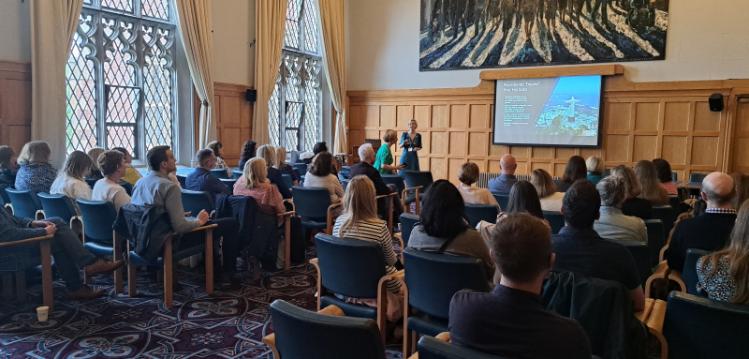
(42, 313)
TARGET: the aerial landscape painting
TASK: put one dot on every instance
(467, 34)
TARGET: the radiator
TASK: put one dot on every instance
(484, 178)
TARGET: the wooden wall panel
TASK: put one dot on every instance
(15, 104)
(641, 121)
(234, 119)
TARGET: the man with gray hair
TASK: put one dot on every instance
(506, 179)
(711, 230)
(364, 167)
(613, 223)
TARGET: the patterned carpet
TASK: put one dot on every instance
(225, 325)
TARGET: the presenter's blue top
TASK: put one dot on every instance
(409, 156)
(383, 157)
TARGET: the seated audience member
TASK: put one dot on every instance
(364, 167)
(510, 321)
(93, 154)
(524, 199)
(35, 173)
(740, 180)
(216, 147)
(384, 161)
(70, 180)
(468, 175)
(650, 186)
(633, 205)
(612, 223)
(69, 254)
(443, 227)
(156, 189)
(359, 221)
(131, 174)
(503, 183)
(248, 151)
(284, 167)
(319, 148)
(320, 175)
(112, 165)
(201, 178)
(254, 183)
(581, 250)
(268, 153)
(594, 165)
(551, 200)
(8, 167)
(575, 170)
(724, 275)
(709, 231)
(663, 171)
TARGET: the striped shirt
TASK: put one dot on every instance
(373, 230)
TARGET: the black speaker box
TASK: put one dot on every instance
(716, 102)
(250, 95)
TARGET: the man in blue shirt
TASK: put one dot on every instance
(201, 178)
(510, 321)
(503, 183)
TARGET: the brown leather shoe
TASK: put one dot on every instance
(102, 266)
(86, 293)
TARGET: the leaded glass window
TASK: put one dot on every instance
(295, 106)
(121, 76)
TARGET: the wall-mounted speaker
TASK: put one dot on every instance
(250, 95)
(716, 102)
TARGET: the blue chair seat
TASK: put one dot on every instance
(158, 262)
(351, 310)
(99, 249)
(431, 326)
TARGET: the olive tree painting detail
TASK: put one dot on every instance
(466, 34)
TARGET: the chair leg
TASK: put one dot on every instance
(168, 278)
(117, 255)
(287, 244)
(208, 261)
(132, 276)
(21, 286)
(46, 257)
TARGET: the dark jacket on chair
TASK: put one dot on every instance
(146, 228)
(604, 310)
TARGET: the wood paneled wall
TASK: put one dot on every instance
(15, 104)
(640, 121)
(234, 119)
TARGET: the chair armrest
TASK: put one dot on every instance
(653, 317)
(329, 217)
(26, 241)
(205, 228)
(399, 275)
(287, 214)
(660, 272)
(444, 336)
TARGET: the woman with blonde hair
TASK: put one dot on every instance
(284, 167)
(724, 274)
(633, 205)
(551, 199)
(359, 221)
(95, 170)
(70, 181)
(594, 166)
(35, 174)
(384, 161)
(254, 183)
(650, 185)
(268, 153)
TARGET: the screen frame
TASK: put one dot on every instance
(545, 145)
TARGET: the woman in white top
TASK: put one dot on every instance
(468, 175)
(359, 221)
(551, 200)
(112, 166)
(70, 180)
(321, 175)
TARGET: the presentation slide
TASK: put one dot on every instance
(561, 111)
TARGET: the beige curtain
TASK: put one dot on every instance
(53, 23)
(196, 30)
(334, 59)
(270, 23)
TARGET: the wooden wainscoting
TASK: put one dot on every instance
(15, 104)
(234, 119)
(641, 121)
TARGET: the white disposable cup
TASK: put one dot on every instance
(42, 313)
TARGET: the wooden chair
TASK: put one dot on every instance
(45, 253)
(391, 199)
